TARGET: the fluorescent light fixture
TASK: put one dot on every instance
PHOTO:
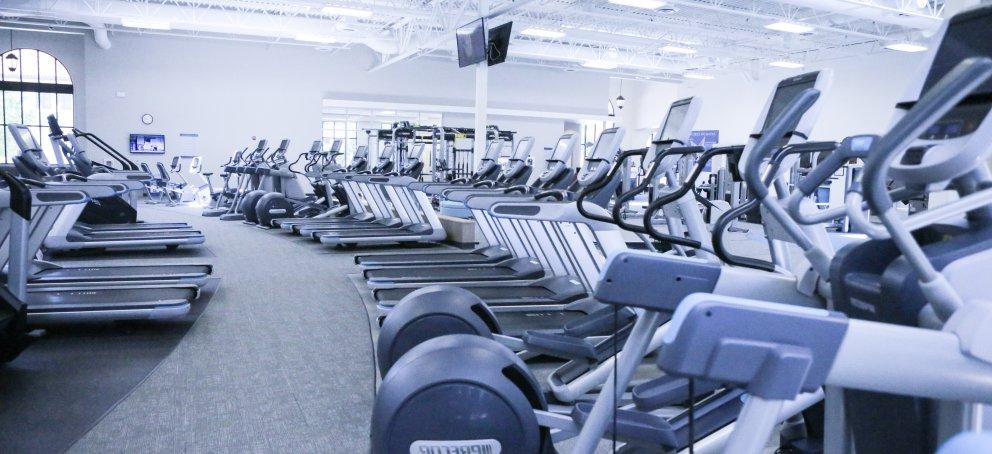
(678, 50)
(599, 64)
(541, 33)
(789, 27)
(786, 64)
(697, 76)
(149, 24)
(906, 47)
(387, 112)
(646, 4)
(323, 39)
(342, 11)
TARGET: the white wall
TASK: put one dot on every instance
(229, 92)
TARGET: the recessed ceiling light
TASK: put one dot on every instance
(150, 24)
(697, 76)
(600, 64)
(646, 4)
(541, 33)
(786, 64)
(342, 11)
(906, 47)
(678, 50)
(323, 39)
(789, 27)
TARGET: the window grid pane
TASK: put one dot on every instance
(32, 108)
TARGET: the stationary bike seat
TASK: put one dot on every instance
(206, 174)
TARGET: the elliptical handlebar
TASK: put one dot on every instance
(596, 186)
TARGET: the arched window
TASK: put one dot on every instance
(38, 86)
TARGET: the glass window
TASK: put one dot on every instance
(29, 65)
(26, 102)
(46, 68)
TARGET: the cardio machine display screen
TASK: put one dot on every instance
(674, 119)
(561, 151)
(602, 150)
(27, 137)
(523, 149)
(968, 35)
(785, 94)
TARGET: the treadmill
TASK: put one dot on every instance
(554, 234)
(557, 175)
(73, 304)
(517, 302)
(77, 161)
(64, 236)
(516, 172)
(44, 273)
(418, 220)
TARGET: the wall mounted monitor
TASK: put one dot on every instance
(472, 43)
(147, 143)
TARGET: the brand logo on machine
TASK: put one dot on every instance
(488, 446)
(865, 306)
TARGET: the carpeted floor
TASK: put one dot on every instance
(281, 360)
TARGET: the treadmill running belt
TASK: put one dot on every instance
(124, 236)
(487, 293)
(133, 226)
(360, 233)
(107, 299)
(120, 273)
(443, 274)
(411, 259)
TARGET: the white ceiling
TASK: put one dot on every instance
(725, 35)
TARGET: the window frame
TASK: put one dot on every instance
(62, 91)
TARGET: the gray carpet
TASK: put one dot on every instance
(281, 361)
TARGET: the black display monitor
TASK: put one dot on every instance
(968, 35)
(472, 43)
(785, 93)
(147, 143)
(499, 43)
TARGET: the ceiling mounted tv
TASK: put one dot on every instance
(472, 43)
(147, 143)
(499, 43)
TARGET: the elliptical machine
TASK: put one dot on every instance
(243, 169)
(271, 166)
(281, 202)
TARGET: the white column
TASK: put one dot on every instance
(481, 97)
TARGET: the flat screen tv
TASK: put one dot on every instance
(472, 43)
(147, 143)
(499, 43)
